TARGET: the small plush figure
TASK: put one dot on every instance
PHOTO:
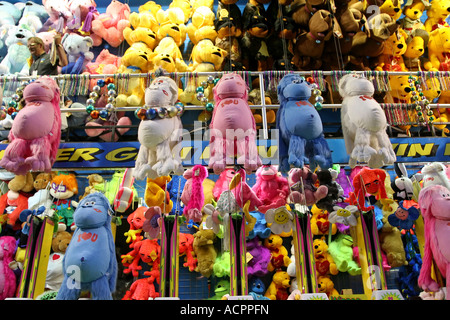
(36, 131)
(437, 15)
(326, 285)
(58, 15)
(204, 251)
(79, 54)
(7, 277)
(300, 125)
(271, 188)
(435, 174)
(90, 260)
(342, 252)
(192, 195)
(324, 261)
(186, 249)
(413, 11)
(16, 59)
(278, 288)
(148, 251)
(156, 194)
(364, 123)
(303, 187)
(55, 275)
(223, 182)
(260, 258)
(280, 257)
(136, 220)
(63, 188)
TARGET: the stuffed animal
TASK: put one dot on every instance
(254, 51)
(63, 188)
(438, 49)
(14, 201)
(58, 15)
(35, 15)
(342, 252)
(83, 13)
(393, 8)
(437, 14)
(324, 261)
(175, 188)
(260, 228)
(7, 277)
(325, 178)
(302, 11)
(320, 224)
(156, 194)
(55, 276)
(221, 290)
(365, 141)
(96, 183)
(16, 59)
(260, 258)
(11, 14)
(222, 265)
(242, 192)
(271, 188)
(192, 195)
(416, 44)
(278, 288)
(300, 139)
(391, 59)
(110, 25)
(303, 186)
(257, 288)
(148, 251)
(223, 182)
(186, 249)
(326, 285)
(279, 254)
(204, 251)
(78, 52)
(142, 289)
(105, 63)
(91, 252)
(434, 205)
(36, 131)
(413, 10)
(202, 17)
(41, 185)
(232, 91)
(434, 173)
(136, 220)
(402, 184)
(158, 136)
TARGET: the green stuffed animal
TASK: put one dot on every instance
(221, 289)
(342, 252)
(222, 266)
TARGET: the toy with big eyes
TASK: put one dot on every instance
(404, 218)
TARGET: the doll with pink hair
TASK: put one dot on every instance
(434, 202)
(192, 195)
(36, 130)
(7, 276)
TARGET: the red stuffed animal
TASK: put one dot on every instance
(148, 250)
(186, 241)
(272, 189)
(136, 221)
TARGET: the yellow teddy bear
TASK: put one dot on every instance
(279, 254)
(156, 194)
(393, 8)
(438, 50)
(392, 57)
(319, 222)
(278, 288)
(416, 45)
(324, 261)
(326, 285)
(437, 14)
(413, 11)
(202, 17)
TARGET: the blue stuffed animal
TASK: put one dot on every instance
(260, 229)
(257, 289)
(89, 263)
(175, 187)
(300, 125)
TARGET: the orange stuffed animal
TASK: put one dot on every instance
(149, 251)
(186, 241)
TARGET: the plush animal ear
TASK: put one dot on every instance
(400, 169)
(89, 41)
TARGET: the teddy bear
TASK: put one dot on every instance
(83, 13)
(437, 13)
(79, 54)
(326, 285)
(58, 15)
(278, 288)
(35, 15)
(303, 186)
(279, 254)
(341, 249)
(254, 50)
(414, 57)
(95, 184)
(393, 8)
(391, 59)
(320, 225)
(143, 27)
(41, 186)
(324, 261)
(171, 24)
(110, 25)
(16, 60)
(271, 188)
(413, 10)
(157, 195)
(438, 49)
(55, 276)
(202, 17)
(204, 251)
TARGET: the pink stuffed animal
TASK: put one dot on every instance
(242, 192)
(7, 276)
(302, 182)
(232, 116)
(434, 202)
(83, 13)
(59, 14)
(223, 183)
(36, 130)
(272, 189)
(110, 25)
(192, 195)
(105, 63)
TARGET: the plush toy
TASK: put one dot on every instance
(371, 181)
(271, 188)
(254, 51)
(95, 184)
(300, 139)
(324, 261)
(232, 91)
(156, 194)
(254, 98)
(416, 44)
(136, 220)
(437, 14)
(278, 288)
(7, 277)
(342, 252)
(302, 11)
(320, 224)
(148, 251)
(78, 52)
(36, 131)
(303, 186)
(92, 250)
(62, 189)
(434, 173)
(167, 56)
(202, 17)
(83, 13)
(438, 49)
(204, 251)
(192, 195)
(222, 265)
(41, 185)
(221, 290)
(58, 15)
(393, 8)
(186, 249)
(223, 182)
(257, 289)
(14, 201)
(326, 285)
(35, 15)
(310, 44)
(11, 14)
(16, 59)
(242, 192)
(434, 204)
(391, 59)
(175, 188)
(260, 228)
(325, 178)
(105, 63)
(55, 276)
(279, 254)
(136, 59)
(142, 289)
(366, 141)
(413, 10)
(159, 135)
(260, 258)
(110, 25)
(402, 184)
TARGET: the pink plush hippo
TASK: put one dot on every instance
(233, 128)
(36, 130)
(434, 202)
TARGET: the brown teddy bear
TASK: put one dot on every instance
(303, 10)
(204, 251)
(391, 242)
(55, 275)
(96, 184)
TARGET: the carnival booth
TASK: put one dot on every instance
(223, 150)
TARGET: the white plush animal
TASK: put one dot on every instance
(434, 173)
(364, 124)
(159, 137)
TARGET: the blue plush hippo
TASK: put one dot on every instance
(89, 263)
(300, 125)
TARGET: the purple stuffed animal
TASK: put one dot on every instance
(261, 255)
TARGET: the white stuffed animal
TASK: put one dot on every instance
(160, 136)
(16, 60)
(364, 124)
(435, 173)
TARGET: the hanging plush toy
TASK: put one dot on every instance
(58, 15)
(364, 124)
(300, 125)
(434, 203)
(193, 196)
(90, 259)
(435, 174)
(79, 54)
(7, 276)
(63, 188)
(271, 188)
(36, 130)
(159, 131)
(232, 116)
(303, 187)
